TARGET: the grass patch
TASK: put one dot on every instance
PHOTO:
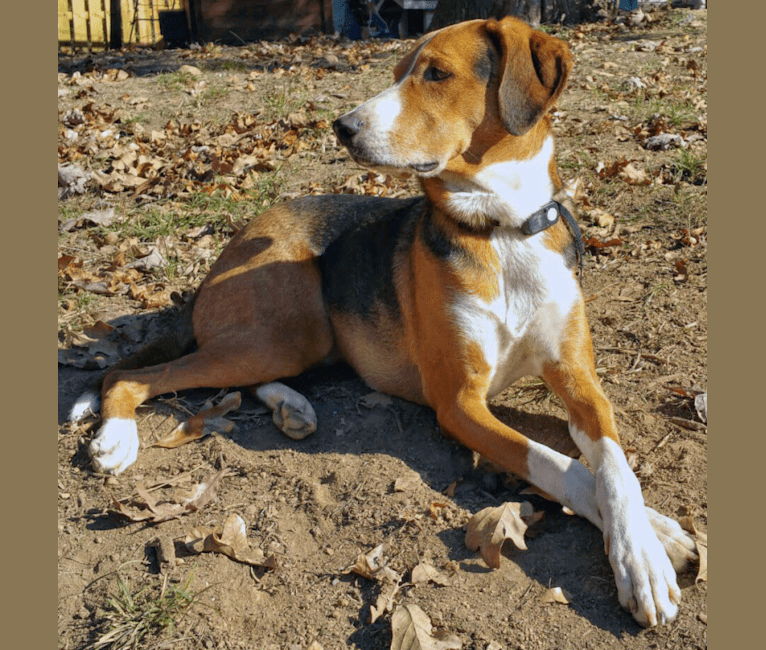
(676, 113)
(130, 616)
(690, 167)
(175, 80)
(283, 101)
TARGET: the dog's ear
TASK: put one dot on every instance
(534, 68)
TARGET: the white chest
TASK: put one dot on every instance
(523, 326)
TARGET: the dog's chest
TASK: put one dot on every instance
(522, 326)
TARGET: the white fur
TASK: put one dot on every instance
(88, 403)
(522, 327)
(644, 573)
(115, 447)
(507, 192)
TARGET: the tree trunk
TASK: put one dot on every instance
(533, 11)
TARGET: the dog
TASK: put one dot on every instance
(443, 300)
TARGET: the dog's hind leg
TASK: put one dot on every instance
(221, 365)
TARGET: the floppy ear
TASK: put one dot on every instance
(534, 68)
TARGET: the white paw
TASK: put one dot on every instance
(646, 580)
(89, 402)
(293, 413)
(115, 447)
(678, 544)
(296, 421)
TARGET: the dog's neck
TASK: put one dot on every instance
(501, 186)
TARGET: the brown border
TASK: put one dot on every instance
(29, 212)
(736, 445)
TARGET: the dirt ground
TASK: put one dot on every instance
(375, 472)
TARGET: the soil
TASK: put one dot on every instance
(382, 473)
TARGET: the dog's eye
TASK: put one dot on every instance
(433, 73)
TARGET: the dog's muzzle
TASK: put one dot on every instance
(346, 127)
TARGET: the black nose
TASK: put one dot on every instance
(347, 127)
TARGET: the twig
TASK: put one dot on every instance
(652, 357)
(237, 36)
(687, 424)
(662, 442)
(598, 293)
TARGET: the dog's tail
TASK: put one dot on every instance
(171, 345)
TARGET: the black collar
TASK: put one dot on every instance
(546, 216)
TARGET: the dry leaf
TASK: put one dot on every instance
(385, 601)
(556, 595)
(408, 482)
(151, 261)
(633, 176)
(231, 540)
(489, 528)
(425, 572)
(700, 539)
(411, 630)
(209, 419)
(372, 566)
(155, 511)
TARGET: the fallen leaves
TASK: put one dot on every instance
(155, 511)
(412, 630)
(229, 540)
(700, 540)
(488, 529)
(209, 419)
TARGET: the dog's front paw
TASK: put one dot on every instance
(646, 580)
(115, 447)
(678, 544)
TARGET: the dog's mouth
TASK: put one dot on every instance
(393, 167)
(424, 168)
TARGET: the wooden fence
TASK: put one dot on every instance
(86, 24)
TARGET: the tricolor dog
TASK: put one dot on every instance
(443, 300)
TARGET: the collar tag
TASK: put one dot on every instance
(542, 219)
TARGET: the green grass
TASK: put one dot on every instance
(175, 80)
(676, 113)
(691, 167)
(130, 616)
(283, 101)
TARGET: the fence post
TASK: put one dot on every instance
(115, 25)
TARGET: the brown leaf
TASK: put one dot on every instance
(556, 595)
(489, 528)
(155, 511)
(411, 630)
(425, 572)
(372, 566)
(700, 539)
(633, 176)
(209, 419)
(231, 540)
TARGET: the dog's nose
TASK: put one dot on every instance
(346, 127)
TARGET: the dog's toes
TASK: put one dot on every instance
(678, 544)
(115, 447)
(646, 580)
(295, 420)
(293, 413)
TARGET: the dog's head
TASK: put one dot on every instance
(460, 92)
